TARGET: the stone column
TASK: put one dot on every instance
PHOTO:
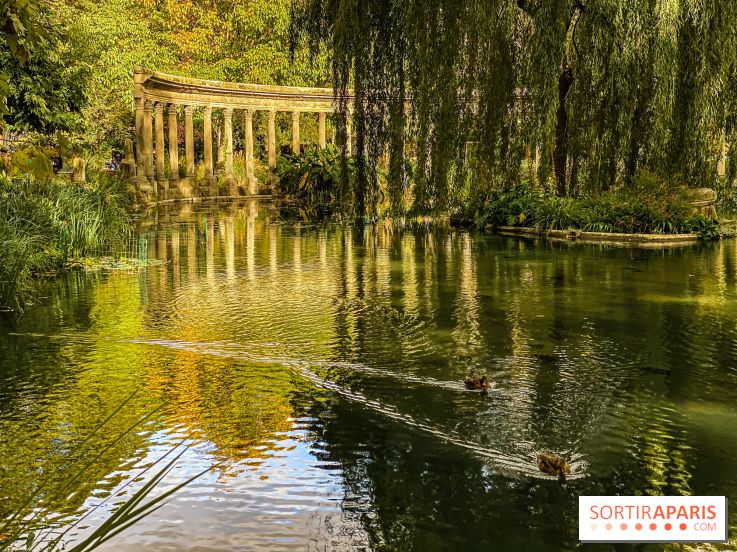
(209, 175)
(271, 147)
(162, 182)
(250, 178)
(140, 158)
(321, 130)
(295, 133)
(148, 142)
(228, 128)
(140, 147)
(189, 142)
(173, 145)
(248, 135)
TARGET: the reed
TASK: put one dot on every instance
(44, 224)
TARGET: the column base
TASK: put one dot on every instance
(153, 184)
(186, 187)
(272, 182)
(231, 185)
(252, 185)
(210, 186)
(162, 185)
(144, 185)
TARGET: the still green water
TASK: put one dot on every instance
(320, 369)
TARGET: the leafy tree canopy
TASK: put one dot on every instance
(602, 88)
(46, 79)
(69, 64)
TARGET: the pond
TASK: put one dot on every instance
(315, 373)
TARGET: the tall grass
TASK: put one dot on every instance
(45, 224)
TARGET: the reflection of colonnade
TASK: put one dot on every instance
(158, 173)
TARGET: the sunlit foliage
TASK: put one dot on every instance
(601, 89)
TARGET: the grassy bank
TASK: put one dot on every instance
(649, 207)
(46, 224)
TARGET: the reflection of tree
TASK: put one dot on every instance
(232, 406)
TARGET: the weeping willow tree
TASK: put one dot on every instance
(600, 88)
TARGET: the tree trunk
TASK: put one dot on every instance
(560, 152)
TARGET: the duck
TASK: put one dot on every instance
(553, 464)
(477, 382)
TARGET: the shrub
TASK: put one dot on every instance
(650, 205)
(312, 177)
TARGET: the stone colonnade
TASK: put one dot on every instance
(156, 173)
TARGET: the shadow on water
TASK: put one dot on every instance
(324, 367)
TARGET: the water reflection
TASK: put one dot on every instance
(323, 366)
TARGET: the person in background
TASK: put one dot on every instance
(56, 163)
(116, 160)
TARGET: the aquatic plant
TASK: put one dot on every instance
(649, 206)
(43, 224)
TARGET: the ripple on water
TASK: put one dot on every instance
(325, 366)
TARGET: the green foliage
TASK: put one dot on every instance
(649, 206)
(232, 40)
(112, 37)
(31, 159)
(22, 28)
(18, 252)
(314, 177)
(46, 80)
(726, 196)
(45, 223)
(602, 89)
(704, 227)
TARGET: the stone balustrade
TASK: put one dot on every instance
(156, 173)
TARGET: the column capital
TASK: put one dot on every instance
(148, 105)
(228, 112)
(207, 110)
(248, 114)
(173, 108)
(295, 115)
(188, 109)
(159, 107)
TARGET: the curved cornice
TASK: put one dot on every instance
(176, 89)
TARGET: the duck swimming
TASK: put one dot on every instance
(553, 464)
(477, 382)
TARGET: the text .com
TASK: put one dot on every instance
(652, 518)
